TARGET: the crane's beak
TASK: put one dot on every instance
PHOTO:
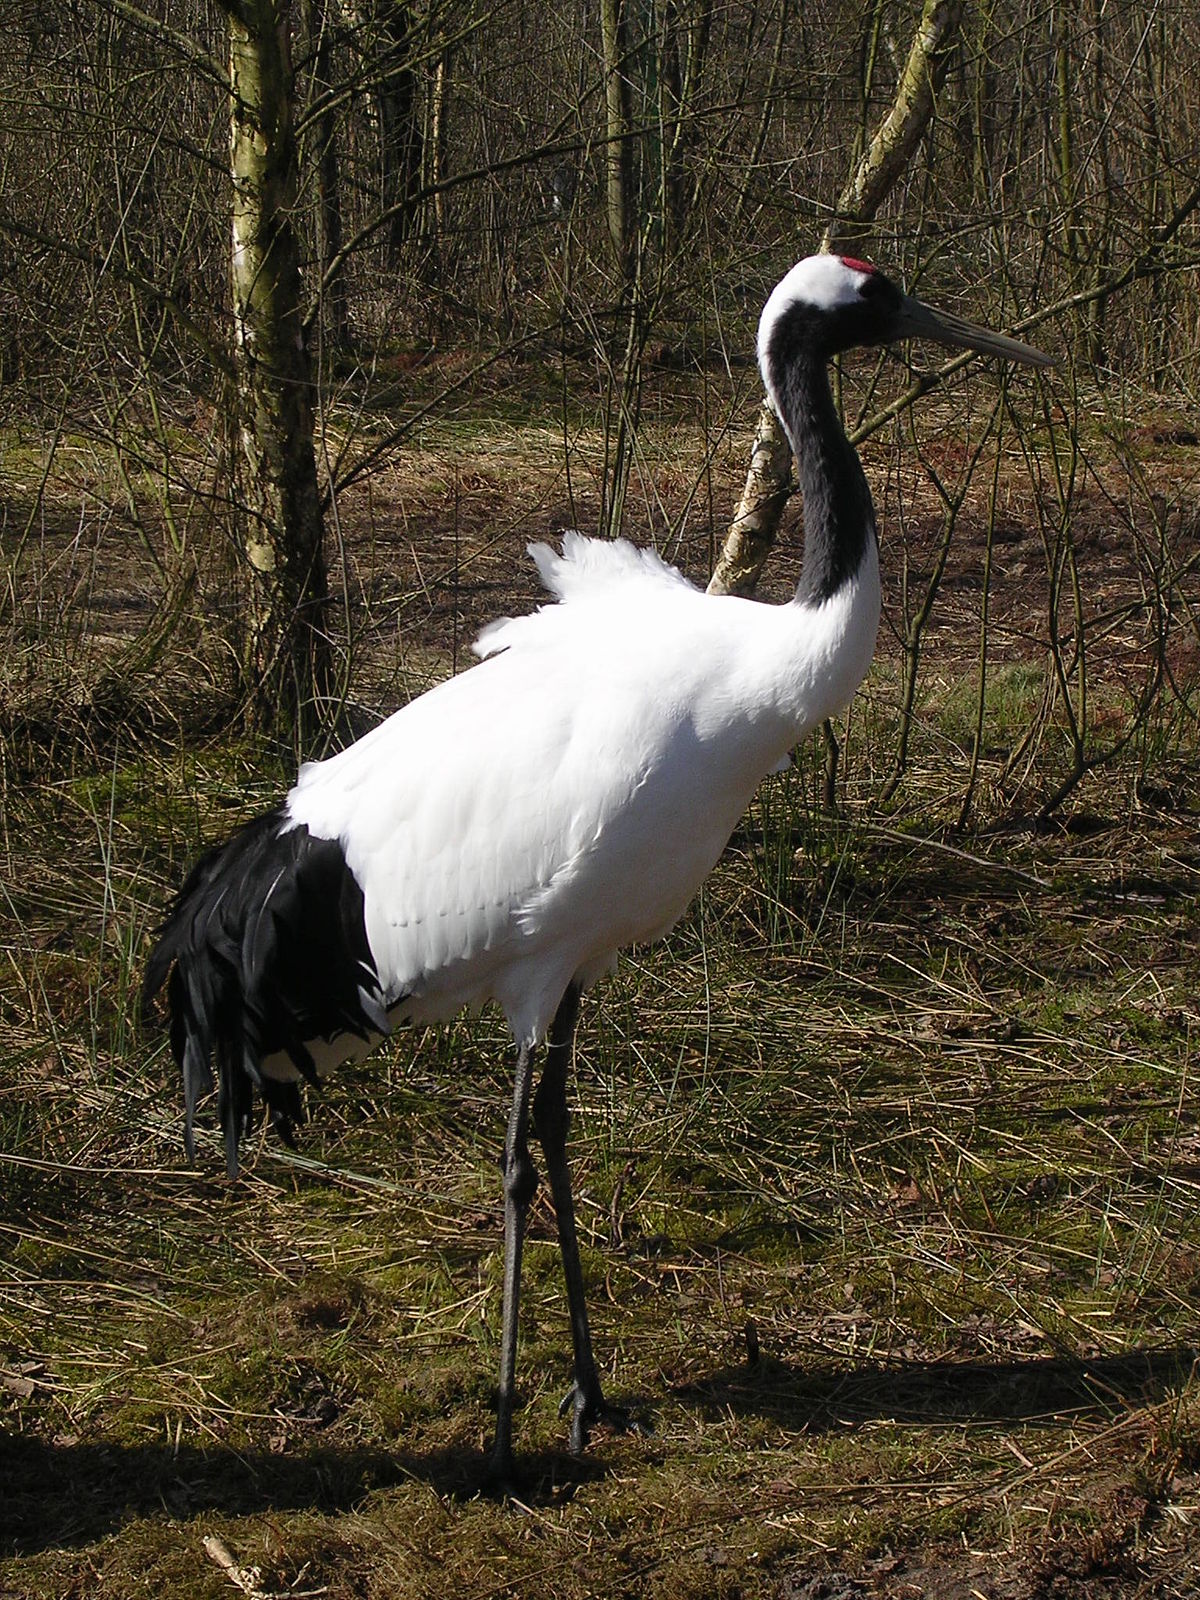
(919, 321)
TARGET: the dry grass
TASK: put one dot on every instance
(888, 1167)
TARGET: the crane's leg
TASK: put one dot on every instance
(552, 1118)
(520, 1181)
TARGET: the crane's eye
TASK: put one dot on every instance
(879, 296)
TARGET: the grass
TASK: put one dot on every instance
(890, 1224)
(888, 1180)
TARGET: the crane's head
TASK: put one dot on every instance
(828, 303)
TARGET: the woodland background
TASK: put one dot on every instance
(226, 314)
(311, 316)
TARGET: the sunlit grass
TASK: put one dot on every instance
(888, 1184)
(887, 1168)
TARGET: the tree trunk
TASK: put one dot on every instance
(333, 320)
(286, 651)
(756, 520)
(683, 50)
(618, 151)
(397, 106)
(626, 237)
(434, 151)
(889, 152)
(768, 484)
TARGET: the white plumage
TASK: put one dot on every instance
(530, 824)
(504, 836)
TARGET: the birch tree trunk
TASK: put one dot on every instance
(285, 651)
(768, 483)
(618, 151)
(889, 152)
(683, 52)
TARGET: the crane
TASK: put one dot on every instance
(503, 836)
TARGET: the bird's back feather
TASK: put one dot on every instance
(519, 824)
(587, 570)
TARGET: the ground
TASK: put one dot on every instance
(888, 1162)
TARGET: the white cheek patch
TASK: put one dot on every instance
(822, 282)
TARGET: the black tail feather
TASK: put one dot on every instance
(264, 951)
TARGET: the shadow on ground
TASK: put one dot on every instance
(65, 1494)
(1040, 1389)
(55, 1495)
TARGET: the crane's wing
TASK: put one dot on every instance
(458, 811)
(506, 827)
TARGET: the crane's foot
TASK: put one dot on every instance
(588, 1407)
(500, 1479)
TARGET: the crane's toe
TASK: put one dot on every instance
(588, 1407)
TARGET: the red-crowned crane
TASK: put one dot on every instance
(506, 834)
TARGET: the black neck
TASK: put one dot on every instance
(839, 518)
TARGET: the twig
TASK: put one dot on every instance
(245, 1578)
(897, 837)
